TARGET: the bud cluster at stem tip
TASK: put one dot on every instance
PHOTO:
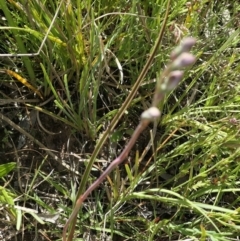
(180, 58)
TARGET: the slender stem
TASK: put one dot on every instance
(125, 105)
(142, 125)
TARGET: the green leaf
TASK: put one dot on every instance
(37, 218)
(19, 219)
(6, 168)
(7, 197)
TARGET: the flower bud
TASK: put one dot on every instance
(183, 60)
(174, 79)
(185, 46)
(151, 114)
(187, 43)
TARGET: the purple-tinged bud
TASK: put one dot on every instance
(187, 43)
(185, 46)
(170, 81)
(183, 60)
(174, 79)
(151, 114)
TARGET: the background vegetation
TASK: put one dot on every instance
(66, 68)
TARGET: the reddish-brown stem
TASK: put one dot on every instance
(142, 125)
(167, 82)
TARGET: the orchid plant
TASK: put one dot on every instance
(169, 79)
